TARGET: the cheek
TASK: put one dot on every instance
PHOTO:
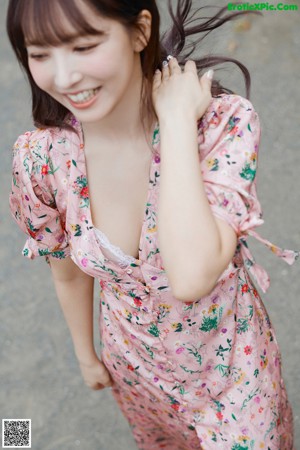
(40, 75)
(102, 66)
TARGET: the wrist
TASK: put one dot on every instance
(180, 118)
(179, 126)
(86, 358)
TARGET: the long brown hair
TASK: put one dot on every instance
(39, 20)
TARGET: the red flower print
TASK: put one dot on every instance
(130, 367)
(248, 350)
(255, 293)
(219, 415)
(175, 406)
(45, 169)
(84, 192)
(102, 284)
(278, 421)
(68, 164)
(245, 288)
(32, 233)
(137, 301)
(234, 130)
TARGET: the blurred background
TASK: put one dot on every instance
(39, 373)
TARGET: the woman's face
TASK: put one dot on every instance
(91, 75)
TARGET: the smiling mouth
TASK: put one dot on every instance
(83, 96)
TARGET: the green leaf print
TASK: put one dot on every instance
(214, 437)
(250, 396)
(131, 383)
(194, 351)
(155, 135)
(60, 254)
(44, 252)
(190, 371)
(243, 326)
(154, 330)
(250, 312)
(239, 447)
(78, 231)
(144, 359)
(48, 230)
(162, 287)
(178, 328)
(74, 163)
(148, 349)
(224, 370)
(221, 350)
(248, 173)
(51, 167)
(209, 323)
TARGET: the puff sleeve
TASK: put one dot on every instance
(229, 136)
(32, 198)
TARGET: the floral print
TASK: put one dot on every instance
(192, 375)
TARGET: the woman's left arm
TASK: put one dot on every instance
(196, 247)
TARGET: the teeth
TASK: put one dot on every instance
(83, 96)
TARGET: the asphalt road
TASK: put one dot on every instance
(39, 375)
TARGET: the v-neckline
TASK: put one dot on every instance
(89, 211)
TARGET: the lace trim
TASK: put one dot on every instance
(122, 258)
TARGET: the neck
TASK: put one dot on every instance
(123, 124)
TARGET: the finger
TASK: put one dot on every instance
(174, 66)
(206, 79)
(190, 65)
(156, 79)
(165, 70)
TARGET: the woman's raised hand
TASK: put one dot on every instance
(181, 91)
(95, 374)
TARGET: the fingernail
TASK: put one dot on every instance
(165, 63)
(169, 57)
(210, 74)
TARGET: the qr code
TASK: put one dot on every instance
(16, 433)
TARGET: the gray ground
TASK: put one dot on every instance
(40, 377)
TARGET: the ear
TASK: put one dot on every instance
(143, 32)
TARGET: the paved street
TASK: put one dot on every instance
(39, 375)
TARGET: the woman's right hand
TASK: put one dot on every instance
(95, 374)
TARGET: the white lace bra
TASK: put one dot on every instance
(111, 251)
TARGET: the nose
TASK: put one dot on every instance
(67, 75)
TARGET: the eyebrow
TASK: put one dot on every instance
(69, 39)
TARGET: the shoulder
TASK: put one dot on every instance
(41, 140)
(225, 104)
(38, 149)
(229, 117)
(42, 159)
(223, 107)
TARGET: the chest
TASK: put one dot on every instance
(118, 191)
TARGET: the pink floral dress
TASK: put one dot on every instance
(194, 375)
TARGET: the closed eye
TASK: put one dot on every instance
(38, 57)
(85, 49)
